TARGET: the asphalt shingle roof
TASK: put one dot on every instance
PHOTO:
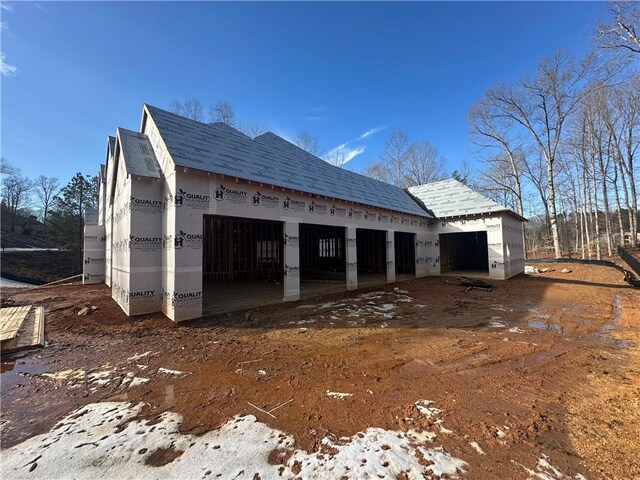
(139, 158)
(270, 159)
(451, 198)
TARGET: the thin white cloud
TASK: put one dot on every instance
(5, 6)
(5, 68)
(342, 154)
(3, 25)
(352, 153)
(368, 133)
(313, 118)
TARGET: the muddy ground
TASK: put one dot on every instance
(543, 365)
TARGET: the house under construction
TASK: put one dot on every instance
(198, 218)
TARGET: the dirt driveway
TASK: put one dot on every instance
(539, 377)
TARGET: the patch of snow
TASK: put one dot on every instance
(338, 394)
(136, 381)
(445, 430)
(138, 356)
(424, 408)
(544, 470)
(399, 290)
(497, 324)
(65, 375)
(443, 463)
(303, 322)
(422, 437)
(100, 378)
(175, 373)
(386, 307)
(371, 295)
(515, 330)
(477, 448)
(107, 437)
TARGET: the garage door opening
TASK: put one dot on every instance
(372, 257)
(322, 260)
(405, 254)
(464, 252)
(242, 263)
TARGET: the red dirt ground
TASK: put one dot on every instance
(546, 364)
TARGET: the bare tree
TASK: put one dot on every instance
(189, 108)
(222, 112)
(541, 106)
(193, 109)
(377, 171)
(307, 142)
(46, 189)
(622, 117)
(176, 107)
(15, 192)
(490, 130)
(336, 156)
(423, 164)
(253, 129)
(6, 168)
(498, 182)
(394, 157)
(623, 33)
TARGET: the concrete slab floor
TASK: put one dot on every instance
(220, 298)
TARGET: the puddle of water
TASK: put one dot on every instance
(580, 320)
(540, 325)
(607, 328)
(616, 342)
(615, 317)
(17, 372)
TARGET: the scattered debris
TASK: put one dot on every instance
(565, 270)
(260, 409)
(270, 412)
(476, 283)
(87, 310)
(529, 269)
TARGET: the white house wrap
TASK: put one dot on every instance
(188, 209)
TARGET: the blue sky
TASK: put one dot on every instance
(337, 70)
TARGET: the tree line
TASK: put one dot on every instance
(560, 146)
(59, 209)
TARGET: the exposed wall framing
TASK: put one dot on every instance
(405, 253)
(464, 251)
(371, 251)
(241, 249)
(322, 249)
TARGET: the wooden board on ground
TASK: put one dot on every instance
(29, 334)
(11, 320)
